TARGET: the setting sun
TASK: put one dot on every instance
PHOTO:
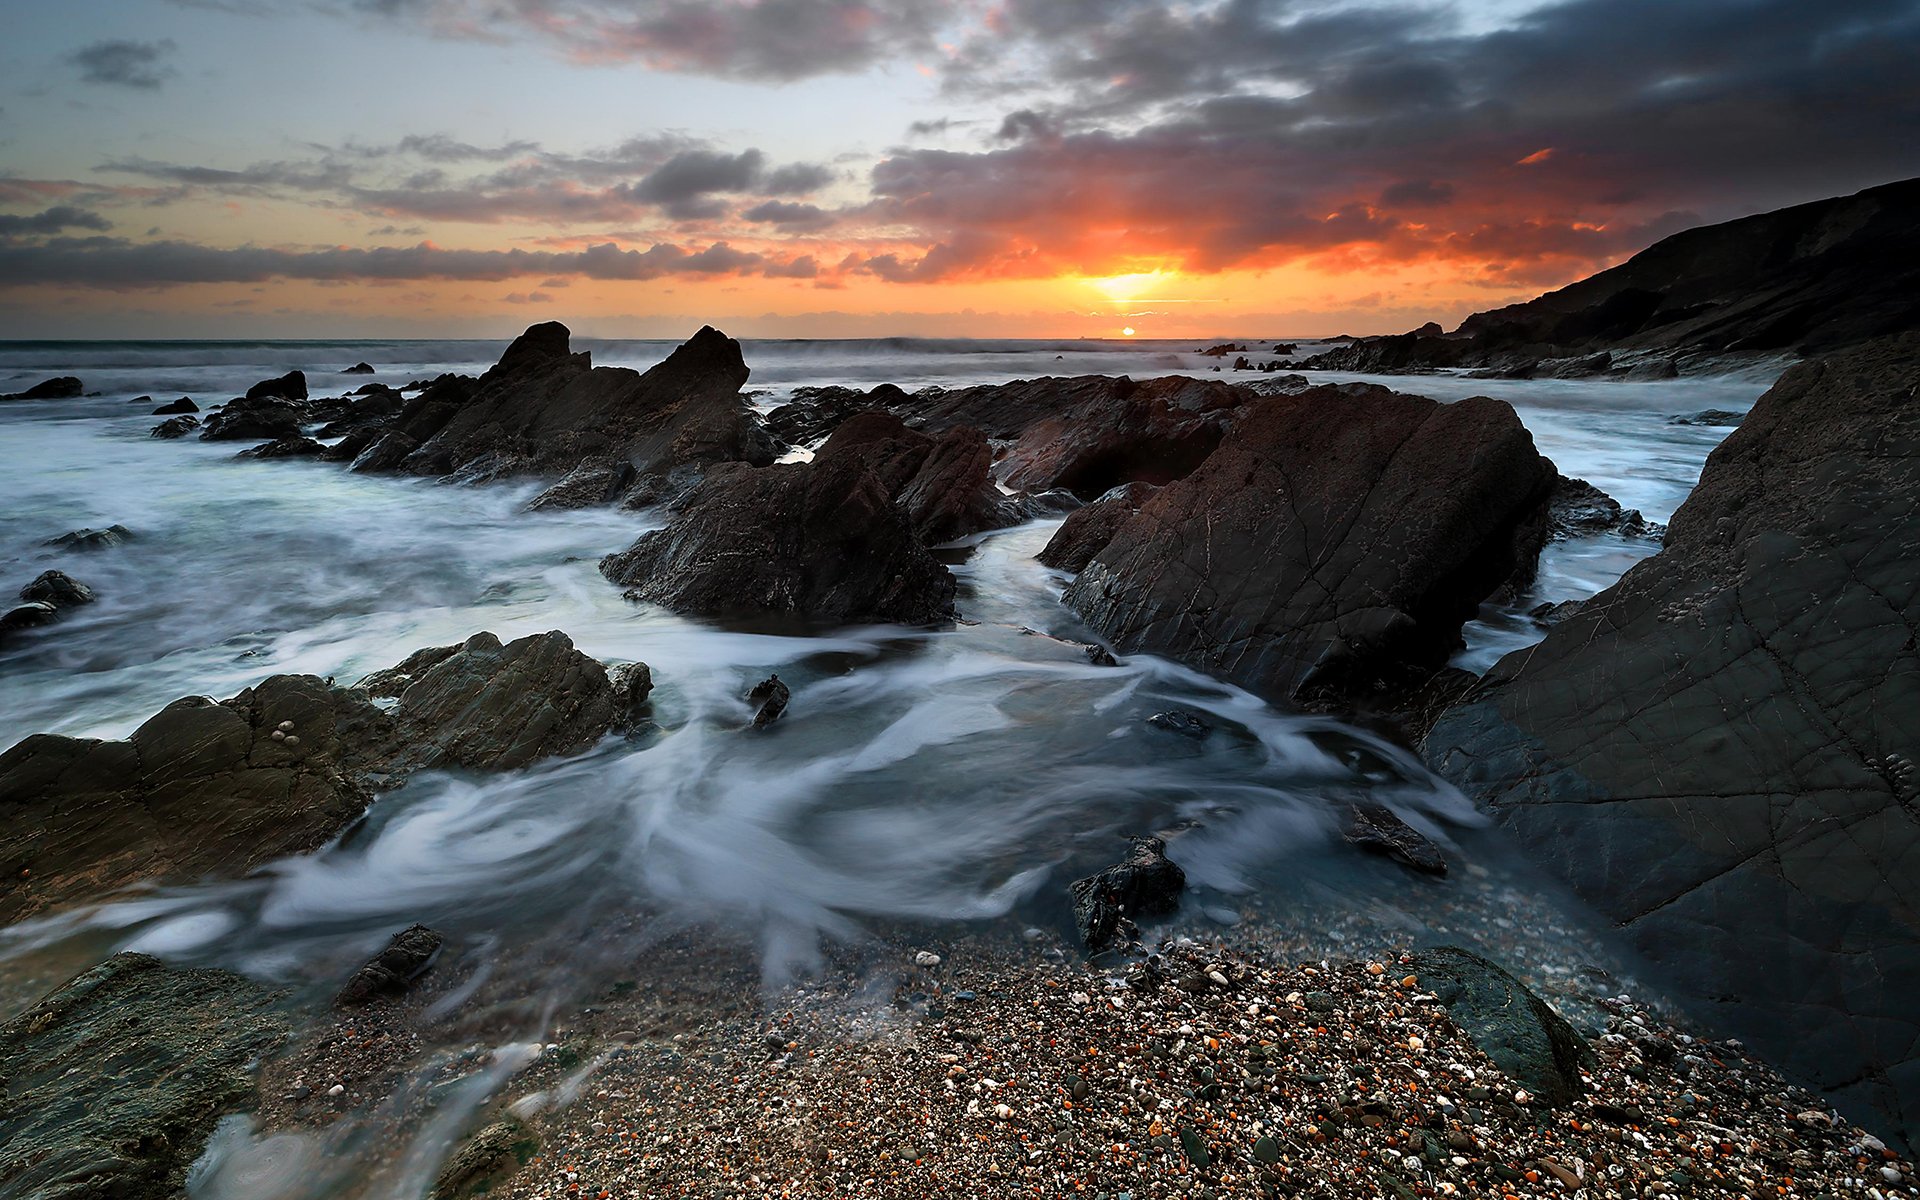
(1122, 288)
(1127, 332)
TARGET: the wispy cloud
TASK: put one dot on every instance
(128, 64)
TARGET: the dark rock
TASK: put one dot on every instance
(27, 616)
(352, 446)
(1100, 656)
(488, 1159)
(392, 971)
(1654, 369)
(116, 1079)
(815, 412)
(291, 386)
(769, 697)
(1220, 351)
(184, 404)
(1333, 546)
(58, 589)
(286, 447)
(1183, 721)
(1551, 613)
(175, 427)
(66, 387)
(1087, 531)
(1145, 884)
(261, 419)
(376, 407)
(358, 368)
(943, 483)
(1519, 1031)
(1376, 828)
(1710, 416)
(1579, 509)
(821, 540)
(586, 485)
(92, 539)
(387, 453)
(1285, 349)
(1716, 752)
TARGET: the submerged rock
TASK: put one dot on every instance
(286, 447)
(1716, 752)
(769, 697)
(1146, 883)
(1183, 721)
(404, 959)
(1376, 828)
(30, 615)
(183, 405)
(92, 539)
(1579, 509)
(115, 1080)
(1710, 416)
(487, 1159)
(66, 387)
(58, 589)
(175, 427)
(1520, 1032)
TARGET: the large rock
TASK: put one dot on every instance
(815, 412)
(58, 589)
(92, 539)
(209, 787)
(1331, 548)
(1087, 530)
(257, 419)
(66, 387)
(175, 427)
(944, 483)
(291, 386)
(115, 1080)
(821, 540)
(1145, 883)
(1520, 1032)
(1717, 752)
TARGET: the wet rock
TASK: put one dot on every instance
(1376, 828)
(27, 616)
(183, 405)
(286, 447)
(291, 386)
(387, 453)
(1709, 416)
(92, 539)
(1520, 1032)
(1551, 613)
(256, 419)
(1653, 370)
(943, 483)
(116, 1079)
(1086, 531)
(58, 589)
(487, 1160)
(1763, 795)
(1145, 884)
(586, 485)
(1579, 509)
(352, 446)
(175, 427)
(821, 540)
(769, 697)
(1333, 546)
(1183, 721)
(632, 684)
(392, 971)
(815, 412)
(377, 405)
(65, 387)
(358, 368)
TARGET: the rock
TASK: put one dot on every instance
(488, 1159)
(815, 412)
(387, 453)
(58, 589)
(1087, 530)
(820, 540)
(632, 684)
(1333, 546)
(256, 419)
(92, 539)
(1519, 1031)
(291, 386)
(1146, 883)
(1654, 369)
(116, 1079)
(27, 616)
(944, 484)
(1579, 509)
(1716, 752)
(392, 971)
(66, 387)
(175, 427)
(377, 405)
(352, 446)
(183, 405)
(1183, 721)
(1710, 416)
(1376, 828)
(769, 697)
(586, 485)
(1551, 613)
(286, 447)
(358, 368)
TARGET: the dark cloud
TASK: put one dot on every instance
(689, 178)
(788, 215)
(796, 179)
(1416, 193)
(121, 63)
(53, 220)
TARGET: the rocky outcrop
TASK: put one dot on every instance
(286, 447)
(359, 368)
(58, 589)
(1331, 548)
(92, 539)
(291, 386)
(256, 419)
(405, 958)
(1145, 883)
(184, 404)
(821, 540)
(943, 483)
(175, 427)
(1579, 509)
(1530, 1042)
(1087, 530)
(1377, 829)
(115, 1080)
(815, 412)
(66, 387)
(218, 787)
(1717, 752)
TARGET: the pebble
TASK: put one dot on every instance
(926, 958)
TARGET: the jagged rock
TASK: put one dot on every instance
(377, 405)
(291, 386)
(286, 447)
(1710, 416)
(405, 958)
(769, 698)
(257, 419)
(58, 589)
(821, 540)
(1716, 752)
(92, 539)
(1183, 721)
(815, 412)
(1530, 1042)
(1332, 547)
(116, 1079)
(26, 616)
(1087, 531)
(175, 427)
(351, 446)
(358, 368)
(184, 404)
(1579, 509)
(1653, 370)
(387, 453)
(1146, 883)
(1377, 829)
(944, 484)
(586, 485)
(1551, 613)
(66, 387)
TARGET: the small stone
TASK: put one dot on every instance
(278, 736)
(336, 1089)
(293, 739)
(926, 958)
(284, 726)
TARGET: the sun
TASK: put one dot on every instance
(1127, 332)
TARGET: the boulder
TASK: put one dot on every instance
(352, 446)
(291, 386)
(175, 427)
(376, 406)
(358, 368)
(386, 453)
(286, 447)
(92, 539)
(116, 1079)
(405, 958)
(184, 404)
(30, 615)
(1531, 1043)
(769, 698)
(1087, 531)
(58, 589)
(820, 540)
(1146, 883)
(815, 412)
(1579, 509)
(66, 387)
(944, 483)
(1717, 752)
(255, 419)
(1332, 547)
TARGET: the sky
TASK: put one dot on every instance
(856, 168)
